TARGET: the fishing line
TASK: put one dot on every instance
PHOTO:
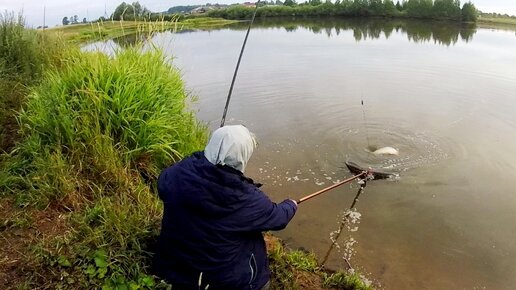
(237, 66)
(365, 126)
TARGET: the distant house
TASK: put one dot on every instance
(249, 4)
(204, 9)
(199, 10)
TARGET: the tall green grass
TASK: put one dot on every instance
(135, 100)
(25, 54)
(95, 135)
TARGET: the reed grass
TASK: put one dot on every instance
(113, 29)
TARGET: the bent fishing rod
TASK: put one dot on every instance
(237, 66)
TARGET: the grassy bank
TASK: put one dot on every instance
(507, 23)
(94, 136)
(78, 204)
(112, 29)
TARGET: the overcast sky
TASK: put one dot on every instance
(92, 9)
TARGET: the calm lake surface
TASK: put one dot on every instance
(445, 96)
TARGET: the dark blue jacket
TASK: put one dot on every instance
(212, 224)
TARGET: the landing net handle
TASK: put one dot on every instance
(364, 174)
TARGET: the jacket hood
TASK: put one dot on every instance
(213, 190)
(231, 146)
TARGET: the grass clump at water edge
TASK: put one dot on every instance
(300, 270)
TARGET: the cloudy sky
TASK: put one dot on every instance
(92, 9)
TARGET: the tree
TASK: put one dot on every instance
(75, 19)
(137, 8)
(289, 3)
(132, 11)
(119, 11)
(469, 12)
(66, 21)
(389, 7)
(84, 20)
(420, 8)
(398, 6)
(447, 9)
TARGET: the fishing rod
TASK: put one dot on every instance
(223, 120)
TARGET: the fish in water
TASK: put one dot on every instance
(385, 151)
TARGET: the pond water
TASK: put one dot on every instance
(443, 95)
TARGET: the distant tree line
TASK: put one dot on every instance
(421, 9)
(497, 15)
(73, 20)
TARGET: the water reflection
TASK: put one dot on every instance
(443, 33)
(418, 31)
(132, 39)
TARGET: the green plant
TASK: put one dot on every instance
(302, 261)
(345, 281)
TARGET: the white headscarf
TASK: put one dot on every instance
(231, 146)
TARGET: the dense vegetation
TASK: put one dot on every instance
(24, 56)
(77, 197)
(421, 9)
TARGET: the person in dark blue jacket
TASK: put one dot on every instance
(214, 216)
